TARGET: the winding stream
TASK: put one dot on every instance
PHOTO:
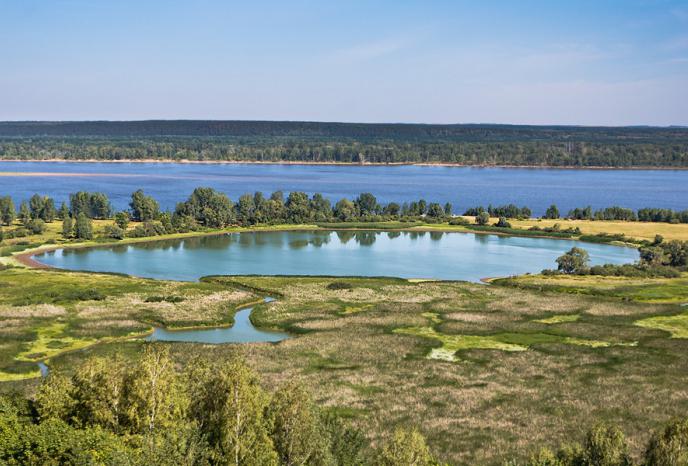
(242, 331)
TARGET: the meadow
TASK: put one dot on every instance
(486, 372)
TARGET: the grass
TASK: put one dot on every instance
(647, 290)
(676, 325)
(50, 341)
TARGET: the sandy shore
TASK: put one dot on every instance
(346, 164)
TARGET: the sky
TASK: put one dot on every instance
(577, 62)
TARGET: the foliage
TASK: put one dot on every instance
(574, 261)
(83, 228)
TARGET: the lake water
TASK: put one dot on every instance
(242, 331)
(462, 186)
(450, 256)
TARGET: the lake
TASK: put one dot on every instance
(464, 187)
(449, 256)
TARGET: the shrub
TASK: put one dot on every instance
(459, 221)
(340, 286)
(113, 231)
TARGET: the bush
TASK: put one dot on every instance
(502, 223)
(339, 286)
(166, 299)
(459, 221)
(113, 231)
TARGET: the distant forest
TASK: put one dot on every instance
(267, 141)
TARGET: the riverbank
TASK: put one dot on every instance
(345, 164)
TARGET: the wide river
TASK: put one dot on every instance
(464, 187)
(450, 256)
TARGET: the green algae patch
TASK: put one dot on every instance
(453, 343)
(51, 341)
(676, 325)
(16, 376)
(559, 319)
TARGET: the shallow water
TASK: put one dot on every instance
(242, 331)
(464, 187)
(449, 256)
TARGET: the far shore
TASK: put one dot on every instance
(330, 163)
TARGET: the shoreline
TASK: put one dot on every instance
(343, 164)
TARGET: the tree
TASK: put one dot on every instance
(406, 447)
(448, 209)
(605, 445)
(503, 223)
(83, 228)
(7, 212)
(345, 210)
(321, 208)
(297, 431)
(143, 208)
(207, 207)
(152, 392)
(574, 261)
(63, 212)
(298, 208)
(245, 210)
(99, 393)
(552, 212)
(392, 209)
(54, 399)
(229, 405)
(483, 218)
(366, 204)
(435, 210)
(122, 219)
(93, 205)
(67, 227)
(652, 256)
(669, 447)
(24, 213)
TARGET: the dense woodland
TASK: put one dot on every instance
(265, 141)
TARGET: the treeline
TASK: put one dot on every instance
(473, 150)
(151, 413)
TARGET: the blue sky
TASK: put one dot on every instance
(533, 62)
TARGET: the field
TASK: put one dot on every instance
(486, 372)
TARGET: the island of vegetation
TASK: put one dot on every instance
(528, 370)
(357, 143)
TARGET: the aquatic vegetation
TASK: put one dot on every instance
(51, 341)
(676, 325)
(559, 319)
(453, 343)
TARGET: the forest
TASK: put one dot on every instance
(264, 141)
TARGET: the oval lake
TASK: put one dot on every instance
(447, 256)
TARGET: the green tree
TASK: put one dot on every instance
(63, 212)
(366, 204)
(99, 393)
(552, 212)
(668, 447)
(298, 208)
(229, 405)
(321, 208)
(24, 213)
(503, 223)
(246, 208)
(67, 227)
(574, 261)
(143, 208)
(345, 210)
(53, 399)
(405, 448)
(297, 431)
(207, 207)
(483, 218)
(435, 210)
(122, 219)
(83, 228)
(605, 445)
(7, 212)
(448, 209)
(152, 392)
